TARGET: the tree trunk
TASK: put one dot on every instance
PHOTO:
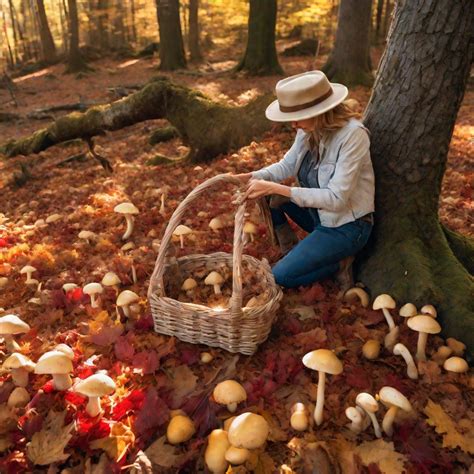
(134, 27)
(10, 60)
(411, 114)
(208, 128)
(15, 38)
(76, 62)
(378, 21)
(47, 44)
(193, 39)
(260, 56)
(348, 62)
(171, 40)
(103, 24)
(386, 18)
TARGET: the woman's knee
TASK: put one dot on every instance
(281, 275)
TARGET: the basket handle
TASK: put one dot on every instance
(156, 280)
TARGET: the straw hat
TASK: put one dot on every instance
(304, 96)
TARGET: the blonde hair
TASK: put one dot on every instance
(331, 121)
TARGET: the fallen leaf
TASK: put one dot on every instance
(304, 312)
(183, 382)
(383, 454)
(444, 425)
(115, 445)
(47, 446)
(163, 454)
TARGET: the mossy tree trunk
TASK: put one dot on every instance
(207, 127)
(48, 47)
(349, 61)
(171, 39)
(260, 56)
(76, 62)
(411, 114)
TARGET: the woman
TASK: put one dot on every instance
(334, 197)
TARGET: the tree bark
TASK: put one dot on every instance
(76, 62)
(171, 40)
(193, 40)
(260, 56)
(47, 44)
(208, 128)
(349, 61)
(378, 21)
(411, 114)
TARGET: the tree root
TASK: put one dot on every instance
(462, 247)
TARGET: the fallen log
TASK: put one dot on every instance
(208, 128)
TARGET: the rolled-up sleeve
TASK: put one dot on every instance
(334, 197)
(285, 168)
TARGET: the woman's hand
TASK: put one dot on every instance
(257, 188)
(243, 177)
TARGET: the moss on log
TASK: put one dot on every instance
(207, 127)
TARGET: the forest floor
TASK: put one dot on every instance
(155, 374)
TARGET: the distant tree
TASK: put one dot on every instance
(378, 20)
(171, 39)
(193, 39)
(349, 61)
(420, 85)
(48, 48)
(76, 62)
(260, 56)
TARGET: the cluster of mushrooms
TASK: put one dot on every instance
(57, 362)
(424, 322)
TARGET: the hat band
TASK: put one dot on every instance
(295, 108)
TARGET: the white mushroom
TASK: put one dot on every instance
(188, 286)
(20, 366)
(87, 235)
(325, 362)
(357, 293)
(180, 232)
(93, 289)
(393, 400)
(164, 193)
(424, 325)
(128, 210)
(229, 393)
(391, 338)
(111, 279)
(369, 404)
(408, 310)
(29, 270)
(358, 419)
(401, 350)
(69, 287)
(18, 398)
(430, 310)
(65, 349)
(125, 299)
(10, 325)
(385, 302)
(216, 224)
(57, 364)
(216, 280)
(94, 387)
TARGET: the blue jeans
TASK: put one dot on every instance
(317, 256)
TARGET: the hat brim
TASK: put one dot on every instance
(274, 113)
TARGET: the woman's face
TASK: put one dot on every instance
(308, 125)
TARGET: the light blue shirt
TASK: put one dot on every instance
(345, 174)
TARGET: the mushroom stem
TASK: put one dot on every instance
(318, 411)
(162, 207)
(93, 406)
(126, 310)
(420, 348)
(10, 343)
(375, 424)
(251, 237)
(128, 231)
(134, 274)
(181, 241)
(93, 300)
(62, 381)
(20, 377)
(387, 422)
(217, 289)
(402, 350)
(232, 407)
(388, 318)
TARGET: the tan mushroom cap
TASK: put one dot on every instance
(367, 402)
(127, 297)
(126, 208)
(456, 364)
(390, 396)
(54, 362)
(216, 223)
(92, 288)
(249, 431)
(86, 234)
(408, 310)
(19, 361)
(12, 324)
(429, 309)
(189, 284)
(27, 269)
(323, 360)
(229, 391)
(111, 279)
(250, 228)
(214, 278)
(383, 301)
(96, 385)
(182, 230)
(422, 323)
(456, 346)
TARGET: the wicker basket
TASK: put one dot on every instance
(235, 329)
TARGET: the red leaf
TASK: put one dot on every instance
(30, 423)
(145, 323)
(123, 349)
(146, 362)
(132, 403)
(189, 355)
(357, 377)
(74, 398)
(106, 336)
(312, 294)
(153, 413)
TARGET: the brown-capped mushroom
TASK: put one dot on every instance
(456, 364)
(180, 429)
(214, 456)
(229, 393)
(371, 349)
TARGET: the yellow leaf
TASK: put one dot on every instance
(444, 425)
(47, 446)
(5, 443)
(115, 445)
(383, 454)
